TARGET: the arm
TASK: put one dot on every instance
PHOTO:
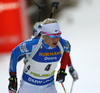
(72, 71)
(64, 62)
(12, 70)
(17, 54)
(66, 55)
(20, 51)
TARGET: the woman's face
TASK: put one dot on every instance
(51, 42)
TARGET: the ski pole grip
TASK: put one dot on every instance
(55, 4)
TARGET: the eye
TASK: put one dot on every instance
(52, 36)
(58, 36)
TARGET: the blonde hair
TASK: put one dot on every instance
(49, 20)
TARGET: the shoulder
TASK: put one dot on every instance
(65, 44)
(32, 41)
(26, 46)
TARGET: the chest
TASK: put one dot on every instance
(47, 55)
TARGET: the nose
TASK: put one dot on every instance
(56, 39)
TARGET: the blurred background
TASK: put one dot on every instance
(79, 22)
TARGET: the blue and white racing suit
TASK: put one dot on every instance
(40, 63)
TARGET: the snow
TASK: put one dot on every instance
(81, 26)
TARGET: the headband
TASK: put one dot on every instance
(52, 28)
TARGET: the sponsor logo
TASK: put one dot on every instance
(43, 75)
(56, 30)
(49, 53)
(35, 81)
(67, 44)
(8, 6)
(50, 58)
(23, 48)
(39, 82)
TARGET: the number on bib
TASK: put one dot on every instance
(48, 67)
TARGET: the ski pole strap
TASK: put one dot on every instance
(63, 87)
(61, 48)
(36, 49)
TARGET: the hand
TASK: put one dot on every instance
(12, 84)
(61, 76)
(73, 73)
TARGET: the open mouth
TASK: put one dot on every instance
(54, 43)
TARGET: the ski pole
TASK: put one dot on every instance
(63, 87)
(40, 7)
(72, 86)
(54, 5)
(12, 91)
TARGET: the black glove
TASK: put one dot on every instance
(12, 84)
(61, 76)
(73, 73)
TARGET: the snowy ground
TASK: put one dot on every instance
(81, 26)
